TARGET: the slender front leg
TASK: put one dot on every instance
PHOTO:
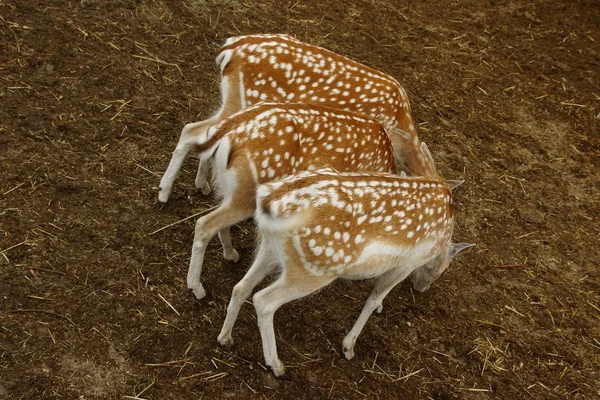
(202, 176)
(385, 283)
(229, 253)
(263, 265)
(195, 132)
(193, 276)
(226, 215)
(287, 288)
(190, 134)
(166, 182)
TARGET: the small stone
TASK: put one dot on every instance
(532, 216)
(229, 393)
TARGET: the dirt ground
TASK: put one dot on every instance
(93, 303)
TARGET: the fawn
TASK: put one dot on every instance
(270, 141)
(321, 225)
(280, 68)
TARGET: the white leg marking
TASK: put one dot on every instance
(202, 176)
(385, 283)
(264, 264)
(229, 253)
(268, 300)
(206, 227)
(166, 182)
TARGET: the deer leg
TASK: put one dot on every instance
(206, 227)
(383, 286)
(201, 181)
(268, 300)
(189, 135)
(229, 253)
(166, 182)
(263, 265)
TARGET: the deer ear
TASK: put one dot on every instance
(456, 248)
(427, 153)
(454, 183)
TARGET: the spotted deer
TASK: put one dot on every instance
(322, 225)
(280, 68)
(270, 141)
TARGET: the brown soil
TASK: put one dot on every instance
(93, 97)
